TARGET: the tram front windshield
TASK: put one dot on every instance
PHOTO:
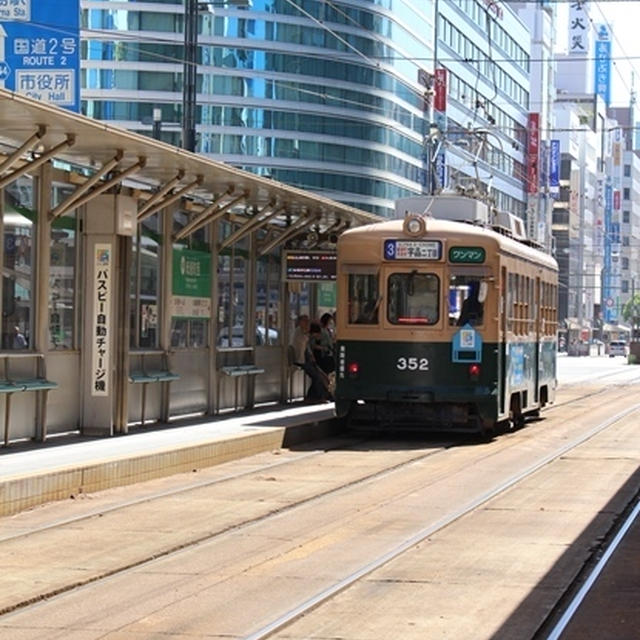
(413, 298)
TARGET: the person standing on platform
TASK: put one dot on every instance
(300, 339)
(319, 389)
(325, 347)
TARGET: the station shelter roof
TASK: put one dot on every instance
(159, 175)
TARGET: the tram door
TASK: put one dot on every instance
(502, 338)
(109, 223)
(538, 344)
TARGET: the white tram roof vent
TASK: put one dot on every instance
(511, 225)
(445, 207)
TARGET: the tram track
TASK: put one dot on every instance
(204, 484)
(354, 576)
(282, 622)
(570, 609)
(207, 537)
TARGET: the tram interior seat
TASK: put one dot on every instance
(146, 373)
(10, 384)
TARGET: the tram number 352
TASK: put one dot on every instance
(412, 364)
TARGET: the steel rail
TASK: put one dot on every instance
(593, 576)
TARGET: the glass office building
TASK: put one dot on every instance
(320, 95)
(485, 49)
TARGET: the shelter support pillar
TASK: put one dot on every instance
(43, 265)
(109, 223)
(212, 399)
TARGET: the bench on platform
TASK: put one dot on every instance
(145, 372)
(18, 383)
(237, 362)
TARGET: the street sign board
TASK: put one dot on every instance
(40, 50)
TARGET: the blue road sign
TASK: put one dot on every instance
(40, 50)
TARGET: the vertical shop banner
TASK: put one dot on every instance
(533, 151)
(544, 166)
(554, 168)
(441, 170)
(40, 50)
(616, 200)
(608, 292)
(100, 337)
(603, 64)
(579, 28)
(191, 288)
(440, 99)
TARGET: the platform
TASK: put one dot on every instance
(33, 473)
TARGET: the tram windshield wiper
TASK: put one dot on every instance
(410, 287)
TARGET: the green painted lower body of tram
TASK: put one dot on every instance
(422, 385)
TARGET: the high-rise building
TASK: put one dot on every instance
(485, 49)
(627, 119)
(321, 96)
(330, 98)
(541, 19)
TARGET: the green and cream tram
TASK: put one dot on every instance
(444, 324)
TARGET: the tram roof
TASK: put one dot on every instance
(380, 230)
(32, 132)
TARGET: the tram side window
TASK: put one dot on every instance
(364, 298)
(464, 305)
(413, 298)
(512, 307)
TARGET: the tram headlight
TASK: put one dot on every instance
(414, 225)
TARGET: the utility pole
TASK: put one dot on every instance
(581, 212)
(189, 75)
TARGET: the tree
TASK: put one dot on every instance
(631, 314)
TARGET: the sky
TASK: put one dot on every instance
(624, 19)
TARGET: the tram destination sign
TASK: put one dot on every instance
(309, 266)
(412, 249)
(468, 255)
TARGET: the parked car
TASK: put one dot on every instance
(617, 348)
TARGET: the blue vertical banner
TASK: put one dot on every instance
(554, 168)
(608, 294)
(603, 64)
(544, 166)
(40, 50)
